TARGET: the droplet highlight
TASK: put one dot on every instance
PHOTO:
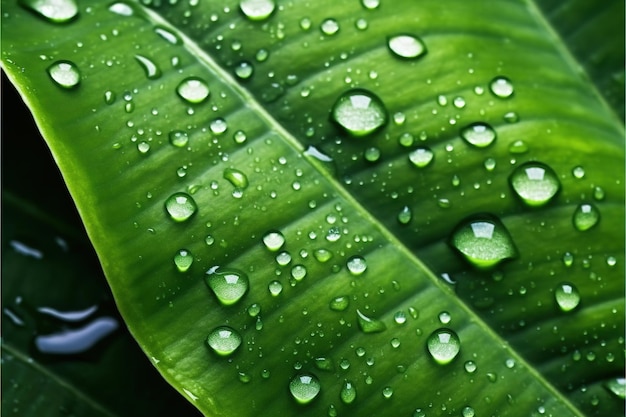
(274, 240)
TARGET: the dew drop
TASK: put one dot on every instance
(405, 215)
(617, 387)
(223, 340)
(444, 317)
(322, 255)
(356, 265)
(150, 69)
(406, 46)
(339, 303)
(65, 74)
(483, 241)
(237, 178)
(171, 37)
(468, 412)
(586, 216)
(239, 137)
(180, 207)
(298, 272)
(470, 367)
(283, 258)
(228, 285)
(421, 157)
(348, 392)
(567, 296)
(443, 345)
(387, 392)
(275, 288)
(535, 183)
(329, 27)
(178, 138)
(479, 134)
(370, 4)
(369, 325)
(218, 126)
(193, 90)
(518, 147)
(324, 364)
(257, 9)
(578, 172)
(501, 87)
(372, 154)
(122, 9)
(109, 97)
(183, 260)
(304, 388)
(244, 70)
(57, 11)
(359, 112)
(274, 240)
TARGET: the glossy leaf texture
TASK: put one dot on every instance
(407, 208)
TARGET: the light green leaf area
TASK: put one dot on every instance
(316, 251)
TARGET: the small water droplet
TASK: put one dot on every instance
(122, 9)
(421, 157)
(298, 272)
(444, 317)
(183, 260)
(369, 325)
(65, 74)
(370, 4)
(109, 97)
(443, 345)
(568, 259)
(470, 367)
(193, 90)
(274, 240)
(518, 147)
(348, 392)
(405, 215)
(178, 138)
(244, 70)
(339, 303)
(180, 206)
(359, 112)
(511, 117)
(468, 412)
(223, 340)
(356, 265)
(257, 9)
(237, 178)
(324, 364)
(489, 164)
(501, 87)
(275, 288)
(329, 27)
(151, 70)
(283, 258)
(322, 255)
(479, 134)
(387, 392)
(228, 285)
(586, 216)
(169, 36)
(578, 172)
(372, 154)
(57, 11)
(304, 388)
(483, 241)
(239, 137)
(567, 296)
(535, 183)
(406, 46)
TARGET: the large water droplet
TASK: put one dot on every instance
(329, 27)
(224, 341)
(586, 216)
(359, 112)
(479, 134)
(180, 206)
(183, 260)
(193, 90)
(567, 296)
(421, 157)
(151, 70)
(443, 345)
(356, 265)
(257, 9)
(483, 241)
(368, 324)
(501, 87)
(535, 183)
(406, 46)
(617, 387)
(274, 240)
(65, 74)
(304, 388)
(237, 178)
(57, 11)
(228, 285)
(348, 392)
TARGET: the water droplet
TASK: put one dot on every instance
(254, 310)
(275, 288)
(149, 67)
(239, 137)
(122, 9)
(178, 138)
(406, 46)
(468, 412)
(109, 97)
(578, 172)
(348, 392)
(443, 345)
(586, 216)
(470, 367)
(359, 112)
(483, 241)
(171, 37)
(421, 157)
(444, 317)
(65, 74)
(479, 134)
(501, 87)
(298, 272)
(361, 24)
(324, 364)
(223, 340)
(387, 392)
(228, 285)
(535, 183)
(283, 258)
(511, 117)
(322, 255)
(339, 303)
(180, 206)
(237, 178)
(183, 260)
(568, 259)
(274, 240)
(356, 265)
(617, 387)
(370, 4)
(372, 154)
(489, 164)
(567, 296)
(57, 11)
(143, 147)
(304, 388)
(369, 325)
(518, 147)
(244, 70)
(218, 126)
(257, 9)
(406, 139)
(405, 215)
(193, 90)
(329, 27)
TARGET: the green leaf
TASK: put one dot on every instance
(321, 242)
